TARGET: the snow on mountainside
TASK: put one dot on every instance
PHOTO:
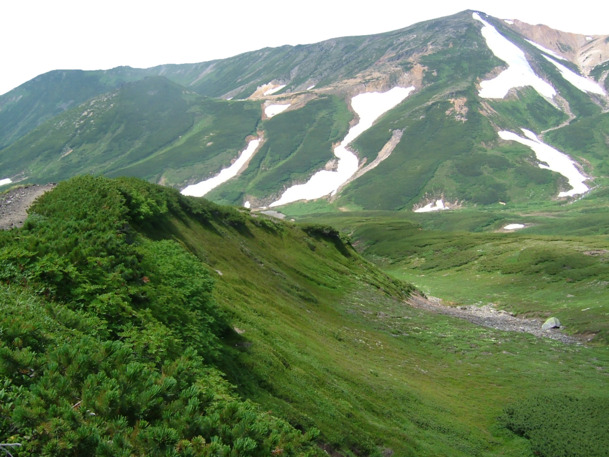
(204, 187)
(583, 84)
(518, 74)
(552, 159)
(298, 123)
(369, 107)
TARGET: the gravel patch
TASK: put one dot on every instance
(15, 203)
(490, 316)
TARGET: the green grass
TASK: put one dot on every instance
(369, 363)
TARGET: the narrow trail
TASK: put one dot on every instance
(489, 316)
(15, 203)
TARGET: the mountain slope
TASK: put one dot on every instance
(29, 105)
(149, 298)
(146, 128)
(485, 100)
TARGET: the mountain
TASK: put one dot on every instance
(463, 158)
(491, 112)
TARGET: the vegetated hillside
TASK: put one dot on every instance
(523, 272)
(451, 140)
(121, 335)
(50, 94)
(108, 337)
(152, 128)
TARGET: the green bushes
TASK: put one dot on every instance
(561, 425)
(106, 335)
(551, 262)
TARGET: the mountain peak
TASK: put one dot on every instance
(470, 76)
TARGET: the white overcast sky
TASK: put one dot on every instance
(37, 36)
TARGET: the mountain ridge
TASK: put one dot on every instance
(445, 60)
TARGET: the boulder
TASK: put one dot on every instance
(551, 323)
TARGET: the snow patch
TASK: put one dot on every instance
(273, 110)
(438, 205)
(247, 204)
(555, 160)
(518, 74)
(369, 107)
(5, 181)
(581, 83)
(273, 90)
(203, 187)
(513, 227)
(508, 21)
(546, 50)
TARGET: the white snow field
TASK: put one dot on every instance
(274, 89)
(5, 181)
(369, 107)
(513, 227)
(555, 160)
(273, 110)
(203, 187)
(518, 74)
(583, 84)
(438, 205)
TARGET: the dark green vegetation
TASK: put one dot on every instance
(108, 336)
(123, 336)
(583, 419)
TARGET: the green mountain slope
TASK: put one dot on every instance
(296, 145)
(148, 128)
(117, 334)
(50, 94)
(137, 321)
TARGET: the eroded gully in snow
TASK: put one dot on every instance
(518, 74)
(369, 107)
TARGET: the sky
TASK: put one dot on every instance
(43, 35)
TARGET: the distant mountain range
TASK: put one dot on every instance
(466, 110)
